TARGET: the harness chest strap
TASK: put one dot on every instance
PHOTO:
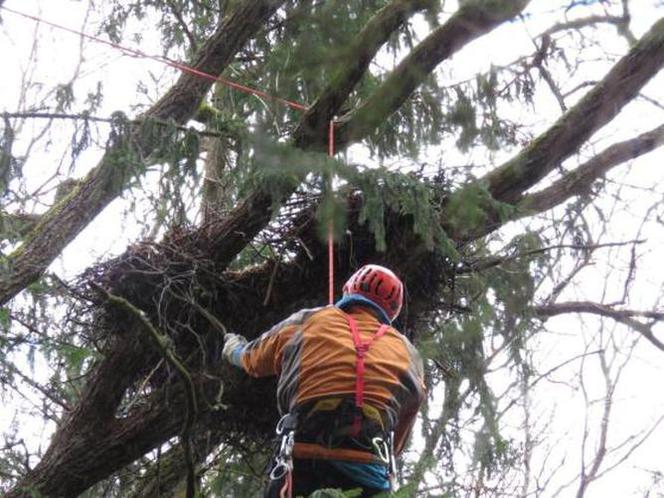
(361, 349)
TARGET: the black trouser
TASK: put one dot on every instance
(310, 475)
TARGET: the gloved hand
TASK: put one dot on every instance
(233, 344)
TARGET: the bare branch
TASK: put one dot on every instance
(584, 22)
(595, 308)
(99, 119)
(624, 316)
(486, 263)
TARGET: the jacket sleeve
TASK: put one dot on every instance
(417, 394)
(262, 356)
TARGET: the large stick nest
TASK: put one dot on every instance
(171, 279)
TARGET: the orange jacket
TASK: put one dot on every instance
(314, 356)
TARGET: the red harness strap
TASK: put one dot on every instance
(361, 349)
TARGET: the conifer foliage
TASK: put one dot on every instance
(488, 191)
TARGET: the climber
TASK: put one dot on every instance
(349, 388)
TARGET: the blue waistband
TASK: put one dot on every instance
(373, 475)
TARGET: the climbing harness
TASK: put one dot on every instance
(283, 467)
(361, 350)
(381, 446)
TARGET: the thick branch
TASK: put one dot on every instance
(581, 179)
(576, 182)
(165, 347)
(622, 83)
(352, 65)
(472, 20)
(623, 316)
(62, 223)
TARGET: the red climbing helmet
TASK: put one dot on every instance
(378, 284)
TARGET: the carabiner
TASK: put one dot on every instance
(382, 449)
(280, 425)
(280, 469)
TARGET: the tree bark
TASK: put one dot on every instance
(580, 180)
(62, 223)
(472, 20)
(622, 83)
(93, 442)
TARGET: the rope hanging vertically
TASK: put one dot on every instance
(330, 225)
(229, 83)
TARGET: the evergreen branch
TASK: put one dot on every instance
(166, 349)
(36, 385)
(473, 19)
(599, 106)
(352, 66)
(177, 13)
(14, 226)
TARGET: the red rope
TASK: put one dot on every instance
(330, 227)
(164, 60)
(229, 83)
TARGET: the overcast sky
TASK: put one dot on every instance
(640, 397)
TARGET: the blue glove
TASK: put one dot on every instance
(234, 348)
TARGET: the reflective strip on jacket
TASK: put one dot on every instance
(313, 354)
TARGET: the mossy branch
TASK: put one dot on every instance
(165, 347)
(211, 318)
